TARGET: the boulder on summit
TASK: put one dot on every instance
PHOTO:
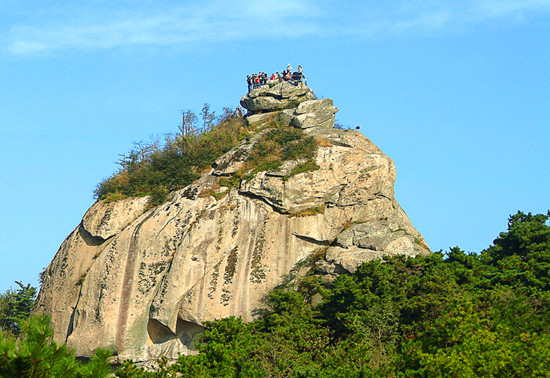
(291, 104)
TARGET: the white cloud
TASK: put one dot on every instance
(156, 23)
(216, 21)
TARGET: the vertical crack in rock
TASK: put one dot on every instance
(73, 314)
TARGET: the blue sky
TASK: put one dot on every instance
(457, 93)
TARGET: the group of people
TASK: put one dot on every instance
(257, 80)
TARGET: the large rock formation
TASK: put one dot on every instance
(143, 281)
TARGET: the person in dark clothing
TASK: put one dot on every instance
(249, 83)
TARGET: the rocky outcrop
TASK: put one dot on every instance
(280, 96)
(288, 104)
(143, 281)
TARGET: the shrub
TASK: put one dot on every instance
(158, 168)
(280, 144)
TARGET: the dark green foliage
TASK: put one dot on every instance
(156, 169)
(521, 255)
(35, 354)
(16, 306)
(454, 314)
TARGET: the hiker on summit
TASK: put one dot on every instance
(249, 83)
(287, 75)
(260, 79)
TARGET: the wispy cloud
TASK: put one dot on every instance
(148, 23)
(216, 21)
(442, 16)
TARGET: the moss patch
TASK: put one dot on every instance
(307, 166)
(309, 212)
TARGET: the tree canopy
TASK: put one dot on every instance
(16, 306)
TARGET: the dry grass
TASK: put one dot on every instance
(309, 212)
(322, 142)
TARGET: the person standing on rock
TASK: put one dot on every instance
(299, 74)
(249, 83)
(288, 75)
(263, 78)
(288, 68)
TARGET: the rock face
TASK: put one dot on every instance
(143, 281)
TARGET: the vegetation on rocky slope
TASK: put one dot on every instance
(280, 144)
(455, 313)
(157, 168)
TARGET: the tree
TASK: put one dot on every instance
(188, 126)
(208, 118)
(16, 306)
(522, 253)
(36, 354)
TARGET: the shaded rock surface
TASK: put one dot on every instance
(144, 281)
